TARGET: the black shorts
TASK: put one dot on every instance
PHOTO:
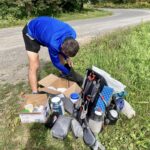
(30, 44)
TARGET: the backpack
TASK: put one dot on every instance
(92, 85)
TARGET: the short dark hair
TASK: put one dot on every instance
(70, 47)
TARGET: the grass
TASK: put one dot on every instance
(126, 56)
(123, 5)
(84, 14)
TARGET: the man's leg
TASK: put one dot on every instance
(33, 68)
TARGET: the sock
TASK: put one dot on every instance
(34, 92)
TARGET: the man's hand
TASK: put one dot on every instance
(69, 62)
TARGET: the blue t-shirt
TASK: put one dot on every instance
(51, 33)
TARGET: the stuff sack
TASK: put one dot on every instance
(68, 105)
(88, 137)
(61, 127)
(76, 128)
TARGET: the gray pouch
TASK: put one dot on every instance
(61, 127)
(88, 137)
(68, 105)
(76, 128)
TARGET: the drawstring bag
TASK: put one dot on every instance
(61, 127)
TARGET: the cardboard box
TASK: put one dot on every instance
(35, 100)
(56, 82)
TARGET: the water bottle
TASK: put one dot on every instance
(127, 110)
(111, 117)
(75, 98)
(96, 121)
(123, 106)
(119, 103)
(57, 105)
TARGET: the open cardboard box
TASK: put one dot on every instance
(56, 82)
(35, 100)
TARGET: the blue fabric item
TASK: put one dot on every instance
(51, 33)
(104, 99)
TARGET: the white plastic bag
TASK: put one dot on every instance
(113, 83)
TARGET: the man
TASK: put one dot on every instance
(58, 36)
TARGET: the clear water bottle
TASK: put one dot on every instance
(124, 107)
(75, 98)
(127, 110)
(96, 121)
(57, 105)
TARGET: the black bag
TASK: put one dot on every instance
(51, 120)
(92, 85)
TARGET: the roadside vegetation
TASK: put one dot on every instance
(123, 5)
(126, 56)
(17, 13)
(84, 14)
(20, 12)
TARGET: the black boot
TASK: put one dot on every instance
(73, 76)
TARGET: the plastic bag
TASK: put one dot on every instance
(113, 83)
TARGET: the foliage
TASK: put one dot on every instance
(68, 5)
(28, 8)
(125, 55)
(84, 14)
(20, 9)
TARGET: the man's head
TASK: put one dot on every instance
(70, 47)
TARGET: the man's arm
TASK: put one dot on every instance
(56, 62)
(68, 59)
(65, 57)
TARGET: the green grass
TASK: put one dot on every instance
(84, 14)
(123, 5)
(126, 56)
